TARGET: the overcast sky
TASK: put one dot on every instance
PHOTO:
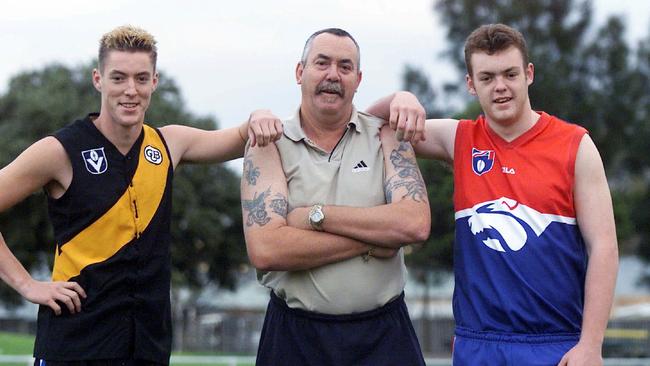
(230, 57)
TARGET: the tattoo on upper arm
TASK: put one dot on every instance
(279, 205)
(408, 176)
(256, 208)
(251, 172)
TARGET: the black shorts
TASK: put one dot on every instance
(378, 337)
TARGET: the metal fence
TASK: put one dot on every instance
(227, 332)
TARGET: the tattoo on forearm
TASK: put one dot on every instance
(408, 176)
(279, 205)
(251, 172)
(256, 209)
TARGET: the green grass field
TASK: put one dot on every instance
(18, 344)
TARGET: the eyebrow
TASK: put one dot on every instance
(121, 73)
(491, 73)
(328, 58)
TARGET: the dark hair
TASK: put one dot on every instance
(335, 31)
(492, 38)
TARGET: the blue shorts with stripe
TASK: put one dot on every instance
(478, 349)
(383, 336)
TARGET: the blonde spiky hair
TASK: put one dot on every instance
(127, 38)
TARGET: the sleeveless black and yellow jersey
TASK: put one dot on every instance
(112, 231)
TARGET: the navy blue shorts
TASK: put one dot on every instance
(383, 336)
(478, 349)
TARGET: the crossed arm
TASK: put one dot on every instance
(272, 244)
(404, 219)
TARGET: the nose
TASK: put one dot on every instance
(130, 87)
(333, 73)
(500, 85)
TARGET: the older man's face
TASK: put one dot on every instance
(330, 76)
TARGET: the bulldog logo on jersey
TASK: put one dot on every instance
(95, 160)
(153, 155)
(506, 223)
(482, 161)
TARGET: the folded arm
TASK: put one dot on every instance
(404, 219)
(273, 245)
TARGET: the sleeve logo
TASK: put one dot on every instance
(95, 160)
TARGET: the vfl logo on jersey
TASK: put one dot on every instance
(482, 161)
(95, 160)
(507, 223)
(153, 155)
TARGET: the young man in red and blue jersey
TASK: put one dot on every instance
(535, 256)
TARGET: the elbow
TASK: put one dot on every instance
(259, 254)
(421, 234)
(419, 229)
(270, 249)
(261, 260)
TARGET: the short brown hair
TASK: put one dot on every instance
(492, 38)
(127, 38)
(335, 31)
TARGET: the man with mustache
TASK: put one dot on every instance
(322, 212)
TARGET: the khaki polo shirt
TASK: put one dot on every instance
(351, 175)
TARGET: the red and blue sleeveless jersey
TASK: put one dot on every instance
(519, 258)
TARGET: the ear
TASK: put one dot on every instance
(470, 84)
(155, 81)
(359, 77)
(299, 70)
(97, 80)
(530, 73)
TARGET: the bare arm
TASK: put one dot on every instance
(25, 175)
(405, 219)
(193, 145)
(432, 139)
(273, 245)
(596, 221)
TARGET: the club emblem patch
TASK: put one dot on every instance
(95, 160)
(482, 161)
(153, 155)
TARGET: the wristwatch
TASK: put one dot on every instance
(316, 217)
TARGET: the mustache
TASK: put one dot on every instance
(330, 87)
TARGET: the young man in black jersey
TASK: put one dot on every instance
(108, 180)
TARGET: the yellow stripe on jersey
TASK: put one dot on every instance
(123, 222)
